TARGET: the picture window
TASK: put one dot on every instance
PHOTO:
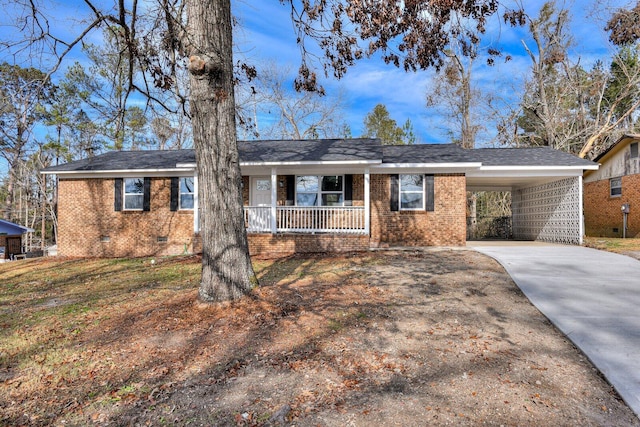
(312, 190)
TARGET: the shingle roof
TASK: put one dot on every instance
(347, 150)
(425, 153)
(531, 156)
(310, 150)
(250, 151)
(128, 160)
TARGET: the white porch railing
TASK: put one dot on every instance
(257, 219)
(307, 219)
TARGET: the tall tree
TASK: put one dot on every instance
(23, 92)
(455, 97)
(227, 272)
(281, 112)
(549, 31)
(379, 124)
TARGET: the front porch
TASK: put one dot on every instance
(332, 203)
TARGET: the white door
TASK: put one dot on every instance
(260, 211)
(260, 191)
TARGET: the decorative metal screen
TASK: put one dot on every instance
(550, 212)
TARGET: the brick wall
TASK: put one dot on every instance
(445, 226)
(287, 244)
(88, 225)
(602, 213)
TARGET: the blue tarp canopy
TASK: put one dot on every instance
(10, 229)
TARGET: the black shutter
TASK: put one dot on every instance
(348, 190)
(395, 189)
(291, 190)
(117, 189)
(175, 195)
(429, 203)
(146, 203)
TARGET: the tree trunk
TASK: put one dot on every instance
(226, 266)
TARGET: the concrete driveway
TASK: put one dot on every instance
(592, 296)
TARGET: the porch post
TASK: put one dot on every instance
(367, 202)
(274, 200)
(196, 205)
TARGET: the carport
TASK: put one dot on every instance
(545, 187)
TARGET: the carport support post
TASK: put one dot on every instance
(581, 208)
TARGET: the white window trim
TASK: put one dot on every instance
(611, 187)
(125, 194)
(319, 192)
(400, 191)
(180, 193)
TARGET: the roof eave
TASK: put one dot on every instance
(120, 172)
(314, 163)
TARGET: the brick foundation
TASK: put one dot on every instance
(602, 213)
(287, 244)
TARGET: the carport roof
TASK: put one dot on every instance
(529, 156)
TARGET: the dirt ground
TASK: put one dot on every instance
(434, 337)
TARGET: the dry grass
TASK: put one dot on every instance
(612, 244)
(364, 339)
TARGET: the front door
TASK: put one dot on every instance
(260, 191)
(260, 213)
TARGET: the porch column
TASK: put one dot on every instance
(196, 205)
(274, 200)
(367, 202)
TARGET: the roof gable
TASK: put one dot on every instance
(621, 143)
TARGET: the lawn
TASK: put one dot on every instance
(611, 244)
(408, 338)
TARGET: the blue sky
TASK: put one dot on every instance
(267, 34)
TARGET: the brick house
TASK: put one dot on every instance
(614, 184)
(315, 195)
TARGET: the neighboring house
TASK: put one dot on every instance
(614, 184)
(315, 195)
(11, 239)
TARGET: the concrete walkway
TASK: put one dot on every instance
(592, 296)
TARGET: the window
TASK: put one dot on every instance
(263, 184)
(634, 150)
(615, 187)
(411, 192)
(133, 193)
(186, 192)
(314, 190)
